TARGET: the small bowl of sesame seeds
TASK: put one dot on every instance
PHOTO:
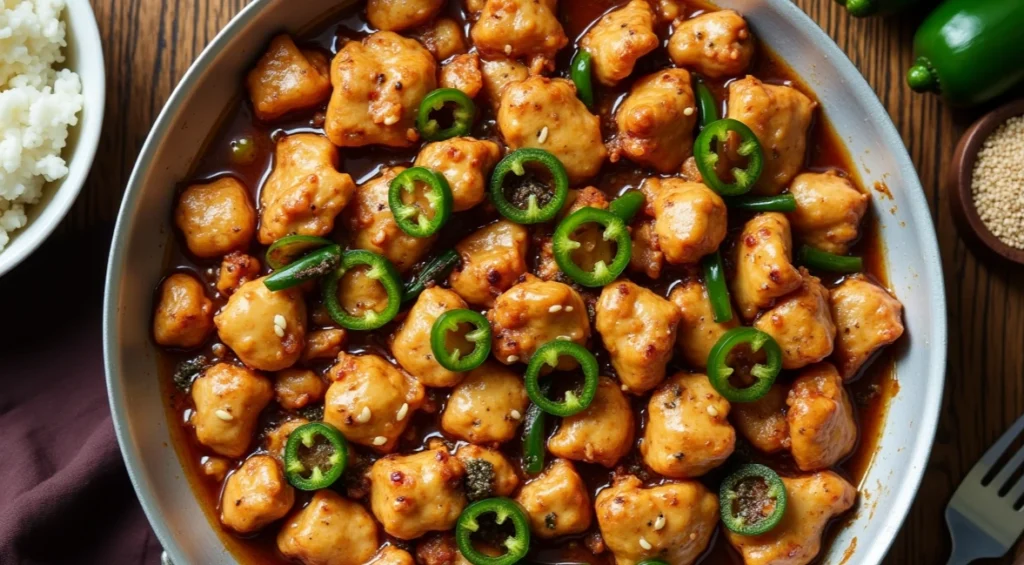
(987, 181)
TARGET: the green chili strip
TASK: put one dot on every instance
(580, 72)
(628, 205)
(382, 271)
(534, 433)
(614, 230)
(517, 545)
(707, 158)
(549, 354)
(719, 370)
(718, 291)
(707, 104)
(312, 266)
(533, 213)
(290, 247)
(412, 219)
(779, 203)
(825, 261)
(463, 114)
(752, 500)
(433, 272)
(480, 337)
(323, 458)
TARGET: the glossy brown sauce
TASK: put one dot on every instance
(870, 393)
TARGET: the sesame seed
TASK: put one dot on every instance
(512, 359)
(365, 415)
(645, 544)
(380, 440)
(219, 349)
(624, 388)
(279, 331)
(688, 111)
(564, 338)
(693, 536)
(508, 49)
(402, 412)
(280, 321)
(568, 308)
(555, 308)
(224, 415)
(516, 415)
(660, 522)
(712, 411)
(543, 135)
(996, 180)
(390, 120)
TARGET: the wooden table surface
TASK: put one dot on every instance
(149, 44)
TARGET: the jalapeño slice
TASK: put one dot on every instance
(614, 230)
(779, 203)
(312, 266)
(382, 271)
(463, 113)
(707, 158)
(315, 456)
(532, 202)
(411, 218)
(290, 247)
(480, 336)
(719, 371)
(517, 545)
(753, 500)
(548, 354)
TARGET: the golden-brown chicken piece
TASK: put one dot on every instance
(867, 318)
(698, 331)
(215, 468)
(603, 433)
(534, 312)
(266, 329)
(305, 191)
(505, 478)
(370, 400)
(392, 555)
(779, 116)
(668, 10)
(655, 122)
(672, 522)
(688, 431)
(236, 269)
(416, 494)
(287, 78)
(298, 388)
(466, 164)
(715, 44)
(493, 259)
(373, 226)
(545, 113)
(556, 501)
(443, 38)
(228, 401)
(828, 210)
(330, 530)
(820, 418)
(323, 344)
(638, 329)
(520, 29)
(763, 258)
(498, 74)
(647, 257)
(763, 422)
(400, 15)
(801, 322)
(255, 495)
(411, 344)
(275, 440)
(619, 39)
(378, 83)
(689, 218)
(812, 500)
(216, 218)
(463, 73)
(184, 315)
(487, 406)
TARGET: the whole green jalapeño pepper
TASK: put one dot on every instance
(707, 158)
(412, 219)
(753, 500)
(764, 376)
(517, 545)
(531, 191)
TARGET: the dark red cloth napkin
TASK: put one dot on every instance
(65, 496)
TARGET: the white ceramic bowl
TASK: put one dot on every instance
(143, 229)
(84, 56)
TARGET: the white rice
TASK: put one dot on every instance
(38, 103)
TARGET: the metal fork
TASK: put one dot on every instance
(982, 522)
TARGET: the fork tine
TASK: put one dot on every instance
(1015, 493)
(989, 459)
(1001, 480)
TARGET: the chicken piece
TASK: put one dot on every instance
(619, 39)
(780, 117)
(763, 422)
(545, 113)
(655, 122)
(801, 323)
(868, 318)
(828, 210)
(466, 164)
(593, 246)
(463, 72)
(498, 74)
(255, 495)
(411, 344)
(330, 530)
(216, 468)
(689, 170)
(443, 38)
(698, 331)
(493, 259)
(714, 44)
(298, 388)
(235, 270)
(763, 259)
(228, 401)
(216, 218)
(820, 418)
(373, 226)
(688, 431)
(416, 494)
(638, 329)
(266, 329)
(323, 344)
(440, 549)
(184, 315)
(647, 257)
(520, 29)
(505, 478)
(556, 501)
(689, 218)
(812, 501)
(392, 555)
(487, 406)
(371, 401)
(603, 433)
(629, 514)
(378, 83)
(534, 312)
(305, 191)
(287, 79)
(276, 439)
(668, 10)
(400, 15)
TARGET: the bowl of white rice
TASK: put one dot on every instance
(52, 92)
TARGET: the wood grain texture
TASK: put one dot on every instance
(149, 45)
